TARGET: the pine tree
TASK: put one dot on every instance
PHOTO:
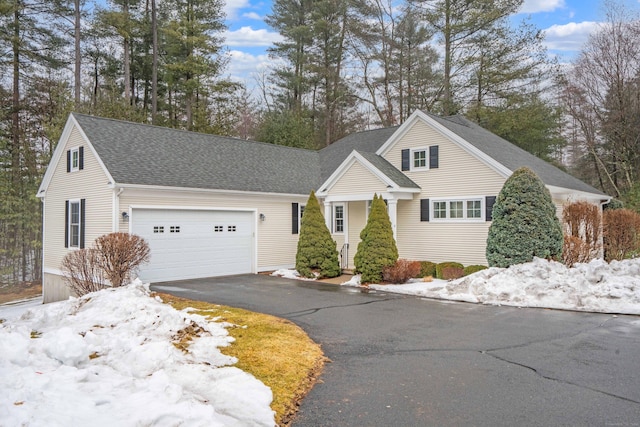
(316, 249)
(524, 223)
(377, 248)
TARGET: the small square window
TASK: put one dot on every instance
(420, 159)
(231, 228)
(218, 228)
(474, 209)
(158, 229)
(455, 209)
(174, 229)
(440, 210)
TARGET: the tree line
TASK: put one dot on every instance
(342, 66)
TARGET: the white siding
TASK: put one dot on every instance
(91, 184)
(459, 174)
(357, 221)
(357, 179)
(276, 244)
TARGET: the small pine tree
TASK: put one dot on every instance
(377, 248)
(316, 249)
(524, 224)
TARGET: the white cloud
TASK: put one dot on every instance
(569, 37)
(252, 15)
(246, 68)
(247, 36)
(535, 6)
(231, 7)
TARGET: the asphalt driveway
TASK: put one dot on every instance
(407, 361)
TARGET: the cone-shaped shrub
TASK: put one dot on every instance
(524, 224)
(377, 248)
(316, 249)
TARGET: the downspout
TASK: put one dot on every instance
(116, 209)
(601, 242)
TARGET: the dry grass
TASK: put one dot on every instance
(20, 291)
(274, 350)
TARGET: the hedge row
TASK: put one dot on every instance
(447, 270)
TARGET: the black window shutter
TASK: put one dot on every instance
(406, 161)
(68, 160)
(424, 209)
(433, 157)
(81, 158)
(66, 223)
(294, 218)
(488, 207)
(82, 204)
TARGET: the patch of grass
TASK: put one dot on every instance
(274, 350)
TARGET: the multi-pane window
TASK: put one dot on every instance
(457, 209)
(420, 159)
(474, 209)
(75, 159)
(231, 228)
(338, 219)
(218, 228)
(74, 224)
(439, 210)
(158, 229)
(174, 229)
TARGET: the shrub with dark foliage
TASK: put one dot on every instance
(443, 265)
(316, 249)
(377, 248)
(524, 223)
(401, 271)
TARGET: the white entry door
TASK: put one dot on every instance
(189, 244)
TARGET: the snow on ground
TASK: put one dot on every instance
(107, 359)
(595, 287)
(288, 273)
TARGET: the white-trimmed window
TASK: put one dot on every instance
(301, 213)
(74, 223)
(419, 158)
(458, 209)
(75, 159)
(338, 218)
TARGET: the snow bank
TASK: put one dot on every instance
(107, 359)
(291, 274)
(594, 287)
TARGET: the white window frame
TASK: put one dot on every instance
(75, 159)
(334, 222)
(71, 224)
(412, 154)
(448, 201)
(301, 208)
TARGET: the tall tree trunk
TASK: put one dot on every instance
(15, 104)
(447, 107)
(127, 55)
(154, 66)
(77, 82)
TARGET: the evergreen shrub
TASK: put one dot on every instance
(401, 271)
(427, 268)
(377, 248)
(440, 268)
(470, 269)
(316, 249)
(524, 224)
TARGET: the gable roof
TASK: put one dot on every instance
(510, 155)
(142, 154)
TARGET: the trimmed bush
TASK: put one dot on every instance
(524, 223)
(316, 249)
(377, 248)
(451, 273)
(621, 234)
(427, 268)
(440, 268)
(401, 271)
(470, 269)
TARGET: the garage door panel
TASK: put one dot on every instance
(190, 244)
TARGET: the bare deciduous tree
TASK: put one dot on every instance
(83, 271)
(122, 254)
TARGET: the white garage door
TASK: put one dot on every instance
(188, 244)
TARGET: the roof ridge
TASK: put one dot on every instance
(169, 129)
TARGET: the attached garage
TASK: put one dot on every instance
(189, 244)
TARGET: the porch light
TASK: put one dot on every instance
(262, 217)
(125, 216)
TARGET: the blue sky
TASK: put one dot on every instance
(567, 24)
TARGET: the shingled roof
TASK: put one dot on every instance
(150, 155)
(511, 156)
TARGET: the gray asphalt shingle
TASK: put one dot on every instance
(150, 155)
